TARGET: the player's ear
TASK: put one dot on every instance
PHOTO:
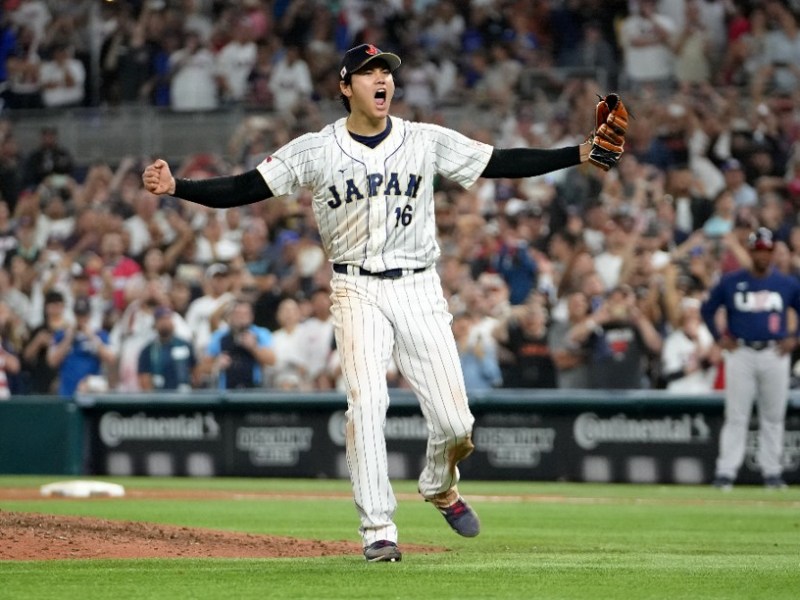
(345, 89)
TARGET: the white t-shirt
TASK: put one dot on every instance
(62, 94)
(289, 84)
(677, 352)
(198, 317)
(316, 343)
(648, 62)
(193, 85)
(234, 63)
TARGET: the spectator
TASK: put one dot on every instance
(23, 65)
(609, 263)
(49, 158)
(167, 362)
(8, 238)
(42, 378)
(193, 85)
(255, 251)
(62, 78)
(478, 359)
(690, 202)
(595, 52)
(237, 354)
(316, 333)
(688, 358)
(570, 356)
(290, 82)
(513, 261)
(12, 296)
(148, 226)
(646, 42)
(211, 245)
(620, 339)
(34, 14)
(289, 371)
(8, 41)
(125, 57)
(235, 62)
(419, 81)
(11, 175)
(259, 93)
(134, 329)
(80, 352)
(217, 288)
(523, 333)
(744, 195)
(778, 72)
(692, 49)
(118, 270)
(10, 363)
(445, 27)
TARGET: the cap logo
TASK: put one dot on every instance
(371, 50)
(343, 72)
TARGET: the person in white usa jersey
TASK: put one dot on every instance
(372, 177)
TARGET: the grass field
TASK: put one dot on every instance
(539, 540)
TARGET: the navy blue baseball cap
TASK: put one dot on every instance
(355, 59)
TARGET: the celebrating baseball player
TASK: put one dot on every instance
(756, 301)
(372, 181)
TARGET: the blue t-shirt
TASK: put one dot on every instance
(82, 360)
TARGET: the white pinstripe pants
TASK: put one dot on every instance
(407, 318)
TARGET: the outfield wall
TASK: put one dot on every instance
(638, 437)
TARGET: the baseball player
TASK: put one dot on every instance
(758, 347)
(372, 181)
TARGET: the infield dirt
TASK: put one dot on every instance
(36, 536)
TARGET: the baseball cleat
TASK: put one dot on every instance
(775, 482)
(383, 551)
(461, 518)
(723, 483)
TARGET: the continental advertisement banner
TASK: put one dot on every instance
(638, 442)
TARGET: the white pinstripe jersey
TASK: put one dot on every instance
(374, 207)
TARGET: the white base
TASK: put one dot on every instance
(82, 489)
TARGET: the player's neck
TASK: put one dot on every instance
(361, 124)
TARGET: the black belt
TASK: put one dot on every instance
(758, 345)
(388, 274)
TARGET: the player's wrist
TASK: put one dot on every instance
(584, 149)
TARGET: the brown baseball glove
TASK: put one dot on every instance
(608, 139)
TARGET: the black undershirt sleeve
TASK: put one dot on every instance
(529, 162)
(250, 187)
(224, 192)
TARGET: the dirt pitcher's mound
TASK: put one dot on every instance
(32, 536)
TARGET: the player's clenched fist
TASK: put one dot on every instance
(158, 179)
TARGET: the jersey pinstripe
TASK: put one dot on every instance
(374, 207)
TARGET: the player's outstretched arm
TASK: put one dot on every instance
(216, 192)
(529, 162)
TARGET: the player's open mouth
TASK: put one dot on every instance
(380, 98)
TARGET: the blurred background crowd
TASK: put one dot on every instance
(579, 279)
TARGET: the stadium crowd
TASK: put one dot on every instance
(581, 279)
